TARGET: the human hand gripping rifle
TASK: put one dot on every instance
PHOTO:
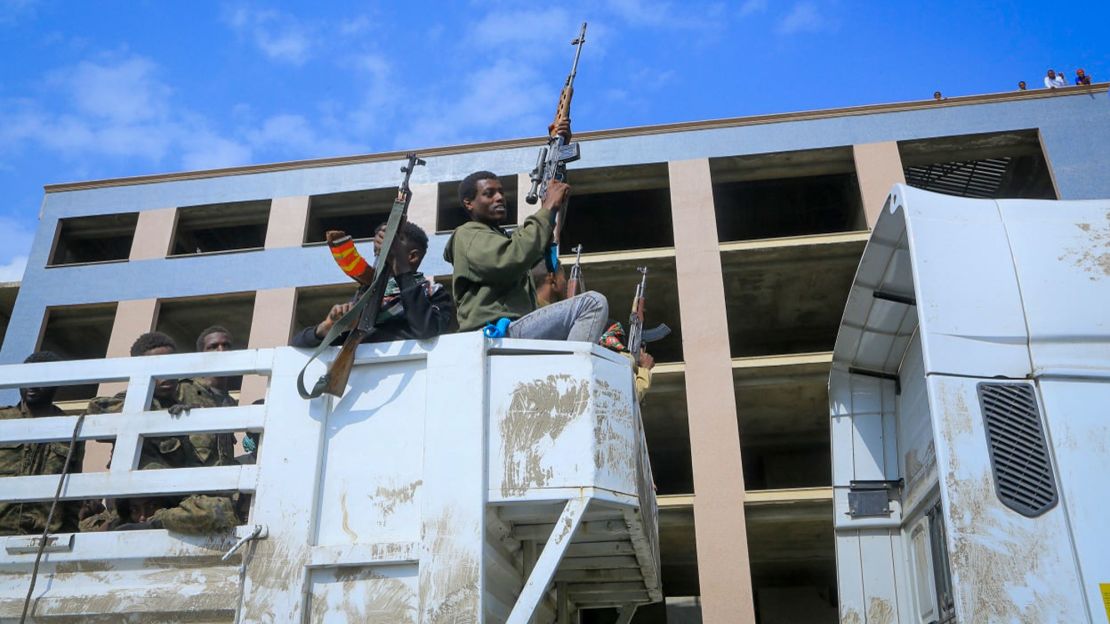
(576, 284)
(553, 159)
(359, 321)
(637, 335)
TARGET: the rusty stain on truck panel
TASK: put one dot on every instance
(387, 499)
(449, 589)
(986, 544)
(538, 409)
(613, 421)
(879, 611)
(1093, 257)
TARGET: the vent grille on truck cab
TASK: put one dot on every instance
(1019, 454)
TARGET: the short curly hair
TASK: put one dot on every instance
(151, 340)
(42, 356)
(468, 188)
(215, 329)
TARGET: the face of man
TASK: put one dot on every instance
(216, 341)
(1051, 73)
(164, 388)
(488, 205)
(34, 397)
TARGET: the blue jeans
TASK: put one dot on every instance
(582, 317)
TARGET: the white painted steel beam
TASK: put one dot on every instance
(131, 483)
(103, 426)
(548, 561)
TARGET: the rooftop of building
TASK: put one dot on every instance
(685, 126)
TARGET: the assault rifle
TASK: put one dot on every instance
(575, 284)
(359, 321)
(637, 335)
(553, 159)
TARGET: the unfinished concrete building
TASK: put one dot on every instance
(751, 229)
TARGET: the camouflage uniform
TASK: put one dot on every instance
(196, 514)
(26, 459)
(183, 451)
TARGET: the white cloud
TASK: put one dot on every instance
(804, 17)
(278, 35)
(15, 245)
(127, 91)
(13, 270)
(511, 29)
(502, 99)
(660, 13)
(294, 134)
(752, 6)
(119, 108)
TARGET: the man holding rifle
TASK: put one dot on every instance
(412, 307)
(491, 278)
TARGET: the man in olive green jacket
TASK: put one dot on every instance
(491, 278)
(37, 458)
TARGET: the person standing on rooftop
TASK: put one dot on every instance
(1081, 77)
(1053, 80)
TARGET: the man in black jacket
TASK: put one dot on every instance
(412, 307)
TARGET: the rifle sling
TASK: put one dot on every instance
(350, 320)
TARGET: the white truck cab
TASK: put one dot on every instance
(970, 406)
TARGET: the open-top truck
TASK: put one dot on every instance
(461, 479)
(970, 406)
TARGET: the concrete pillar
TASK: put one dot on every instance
(878, 167)
(422, 208)
(153, 234)
(723, 569)
(271, 326)
(288, 219)
(133, 318)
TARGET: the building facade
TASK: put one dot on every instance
(751, 229)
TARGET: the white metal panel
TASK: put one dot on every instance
(275, 587)
(916, 449)
(453, 503)
(968, 301)
(880, 558)
(371, 595)
(849, 577)
(373, 457)
(1061, 252)
(1005, 567)
(559, 422)
(1078, 423)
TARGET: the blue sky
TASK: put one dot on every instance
(93, 90)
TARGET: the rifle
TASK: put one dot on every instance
(637, 335)
(359, 321)
(553, 159)
(575, 284)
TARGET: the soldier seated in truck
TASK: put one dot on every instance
(214, 339)
(31, 458)
(191, 515)
(491, 279)
(413, 308)
(178, 396)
